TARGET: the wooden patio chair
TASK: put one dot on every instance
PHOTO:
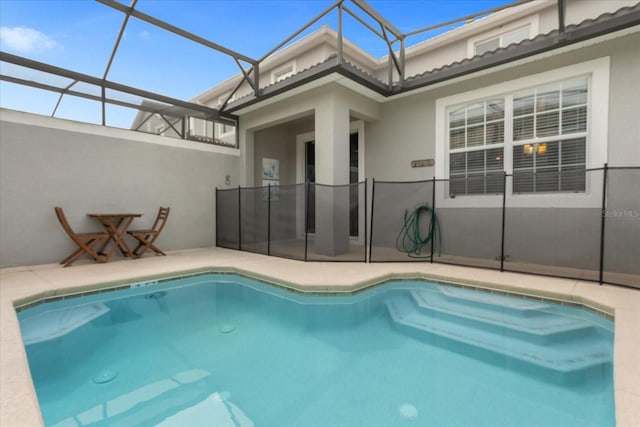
(85, 241)
(146, 238)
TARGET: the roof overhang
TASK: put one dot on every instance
(606, 27)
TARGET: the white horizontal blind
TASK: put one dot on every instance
(476, 147)
(549, 133)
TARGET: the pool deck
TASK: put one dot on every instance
(18, 402)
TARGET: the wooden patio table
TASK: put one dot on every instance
(116, 224)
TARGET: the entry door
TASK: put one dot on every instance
(353, 179)
(310, 176)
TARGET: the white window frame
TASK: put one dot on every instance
(274, 73)
(484, 147)
(532, 21)
(597, 71)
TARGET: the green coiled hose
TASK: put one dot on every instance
(409, 239)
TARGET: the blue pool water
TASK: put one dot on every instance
(223, 350)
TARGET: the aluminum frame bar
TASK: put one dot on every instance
(467, 17)
(176, 30)
(88, 96)
(207, 112)
(181, 134)
(62, 92)
(562, 9)
(297, 33)
(364, 6)
(131, 11)
(362, 21)
(119, 38)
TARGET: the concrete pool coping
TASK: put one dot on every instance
(20, 285)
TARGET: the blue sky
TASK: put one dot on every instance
(80, 34)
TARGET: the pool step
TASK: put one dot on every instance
(562, 357)
(486, 298)
(58, 323)
(508, 313)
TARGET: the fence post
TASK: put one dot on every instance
(433, 217)
(239, 218)
(504, 206)
(216, 212)
(268, 219)
(306, 219)
(373, 193)
(365, 220)
(603, 215)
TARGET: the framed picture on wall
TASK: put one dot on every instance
(270, 169)
(270, 176)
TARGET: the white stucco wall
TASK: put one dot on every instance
(84, 168)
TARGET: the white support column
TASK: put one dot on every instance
(247, 163)
(332, 168)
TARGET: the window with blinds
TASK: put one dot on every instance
(502, 40)
(545, 144)
(549, 138)
(283, 72)
(476, 146)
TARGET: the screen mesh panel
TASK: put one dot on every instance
(336, 223)
(558, 241)
(254, 219)
(287, 209)
(622, 228)
(316, 222)
(470, 225)
(393, 204)
(227, 218)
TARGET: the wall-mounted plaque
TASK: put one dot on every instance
(422, 163)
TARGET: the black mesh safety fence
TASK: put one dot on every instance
(401, 217)
(286, 209)
(254, 219)
(573, 224)
(554, 233)
(621, 220)
(309, 222)
(336, 222)
(470, 223)
(228, 218)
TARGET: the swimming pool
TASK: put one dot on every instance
(227, 350)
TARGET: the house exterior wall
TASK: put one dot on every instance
(457, 45)
(86, 168)
(279, 143)
(410, 121)
(407, 132)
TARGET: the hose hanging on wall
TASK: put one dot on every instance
(409, 239)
